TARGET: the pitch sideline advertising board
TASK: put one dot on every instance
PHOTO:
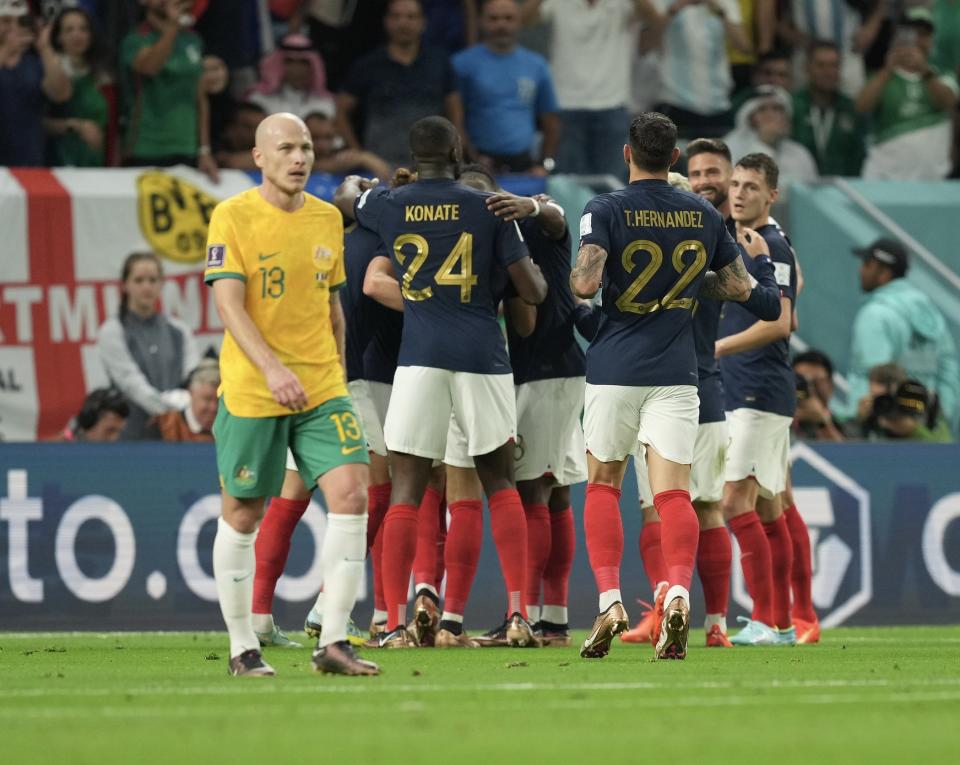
(119, 537)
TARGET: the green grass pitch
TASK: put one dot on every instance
(863, 695)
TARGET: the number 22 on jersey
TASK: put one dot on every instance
(687, 271)
(461, 253)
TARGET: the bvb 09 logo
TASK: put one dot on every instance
(174, 216)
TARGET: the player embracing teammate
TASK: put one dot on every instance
(653, 249)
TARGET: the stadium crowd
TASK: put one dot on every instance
(829, 87)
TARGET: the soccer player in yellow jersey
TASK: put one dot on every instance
(275, 263)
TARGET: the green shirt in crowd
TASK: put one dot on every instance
(905, 106)
(835, 137)
(162, 110)
(946, 41)
(86, 103)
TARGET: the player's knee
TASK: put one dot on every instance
(350, 500)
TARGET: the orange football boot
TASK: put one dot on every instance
(808, 633)
(641, 633)
(717, 638)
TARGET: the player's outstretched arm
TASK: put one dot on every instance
(732, 282)
(586, 274)
(758, 335)
(339, 325)
(548, 213)
(521, 316)
(348, 191)
(228, 294)
(380, 283)
(528, 281)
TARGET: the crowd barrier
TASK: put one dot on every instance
(119, 537)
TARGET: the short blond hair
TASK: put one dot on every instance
(679, 181)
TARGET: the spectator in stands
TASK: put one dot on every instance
(451, 24)
(763, 125)
(394, 86)
(328, 158)
(759, 21)
(896, 408)
(825, 120)
(899, 324)
(81, 127)
(168, 115)
(946, 43)
(146, 354)
(851, 25)
(507, 91)
(592, 48)
(911, 104)
(813, 420)
(30, 73)
(775, 68)
(695, 79)
(195, 421)
(216, 84)
(100, 420)
(293, 79)
(239, 137)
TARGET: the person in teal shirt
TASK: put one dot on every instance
(899, 324)
(824, 119)
(166, 107)
(80, 128)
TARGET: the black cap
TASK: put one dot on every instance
(890, 252)
(912, 398)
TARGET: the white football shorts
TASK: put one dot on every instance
(759, 447)
(549, 433)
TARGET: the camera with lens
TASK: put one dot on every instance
(909, 401)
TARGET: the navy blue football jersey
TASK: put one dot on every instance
(450, 254)
(763, 378)
(361, 313)
(551, 350)
(660, 242)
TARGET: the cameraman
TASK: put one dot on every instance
(812, 420)
(901, 409)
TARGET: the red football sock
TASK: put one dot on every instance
(679, 533)
(462, 553)
(651, 554)
(603, 530)
(376, 563)
(781, 564)
(428, 527)
(755, 559)
(563, 542)
(509, 528)
(273, 547)
(378, 502)
(714, 560)
(441, 543)
(538, 550)
(801, 576)
(399, 549)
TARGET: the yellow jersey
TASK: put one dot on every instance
(290, 263)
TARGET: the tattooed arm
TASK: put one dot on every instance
(732, 282)
(585, 275)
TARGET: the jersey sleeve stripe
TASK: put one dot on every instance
(224, 275)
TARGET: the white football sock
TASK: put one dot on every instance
(317, 609)
(712, 619)
(677, 591)
(379, 617)
(263, 623)
(608, 598)
(418, 586)
(233, 569)
(449, 616)
(344, 556)
(554, 614)
(533, 614)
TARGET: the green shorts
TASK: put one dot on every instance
(252, 451)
